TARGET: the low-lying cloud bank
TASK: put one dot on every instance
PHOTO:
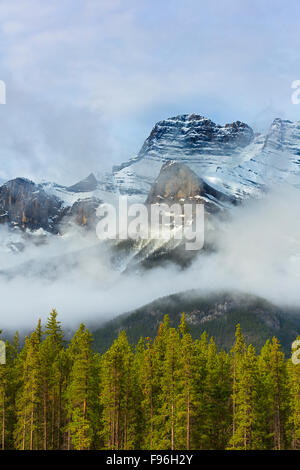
(258, 252)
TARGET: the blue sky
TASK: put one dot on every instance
(87, 79)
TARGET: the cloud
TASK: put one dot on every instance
(133, 64)
(44, 140)
(87, 79)
(258, 252)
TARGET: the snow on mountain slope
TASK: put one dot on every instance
(279, 159)
(229, 158)
(67, 197)
(99, 186)
(191, 139)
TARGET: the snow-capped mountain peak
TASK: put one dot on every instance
(231, 161)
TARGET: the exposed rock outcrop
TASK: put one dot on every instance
(175, 183)
(27, 205)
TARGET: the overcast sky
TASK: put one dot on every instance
(87, 79)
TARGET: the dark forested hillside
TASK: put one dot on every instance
(172, 392)
(217, 314)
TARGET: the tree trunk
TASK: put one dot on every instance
(188, 422)
(45, 420)
(53, 423)
(3, 420)
(24, 429)
(31, 429)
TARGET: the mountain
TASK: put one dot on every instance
(278, 161)
(189, 138)
(27, 205)
(217, 314)
(230, 161)
(30, 206)
(230, 158)
(87, 184)
(176, 182)
(185, 158)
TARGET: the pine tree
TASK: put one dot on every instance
(165, 436)
(51, 359)
(216, 412)
(80, 394)
(8, 414)
(148, 382)
(199, 436)
(237, 352)
(294, 418)
(118, 379)
(28, 401)
(170, 393)
(245, 392)
(3, 400)
(274, 405)
(186, 392)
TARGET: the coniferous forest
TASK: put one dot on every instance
(172, 392)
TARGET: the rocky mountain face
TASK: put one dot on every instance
(192, 134)
(27, 205)
(175, 183)
(190, 139)
(231, 158)
(83, 212)
(225, 164)
(185, 158)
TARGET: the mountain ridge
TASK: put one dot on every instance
(217, 313)
(232, 162)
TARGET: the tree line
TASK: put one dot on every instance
(171, 392)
